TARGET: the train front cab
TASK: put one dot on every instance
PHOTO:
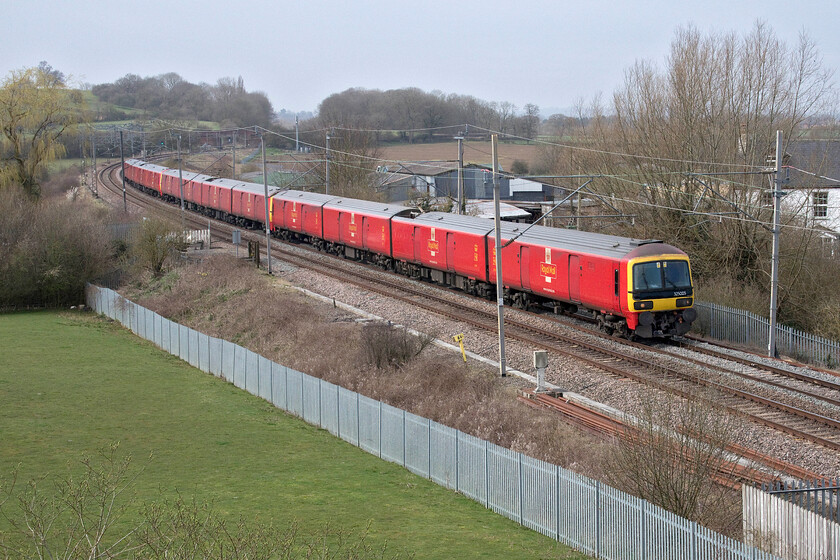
(660, 294)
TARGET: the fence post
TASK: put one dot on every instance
(521, 488)
(597, 519)
(430, 448)
(405, 438)
(643, 529)
(457, 473)
(380, 429)
(557, 500)
(693, 541)
(358, 421)
(486, 473)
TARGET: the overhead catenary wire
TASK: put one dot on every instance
(627, 178)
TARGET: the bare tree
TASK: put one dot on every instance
(713, 109)
(505, 112)
(353, 157)
(531, 121)
(673, 454)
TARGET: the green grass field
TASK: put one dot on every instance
(74, 383)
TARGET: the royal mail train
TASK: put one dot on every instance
(632, 287)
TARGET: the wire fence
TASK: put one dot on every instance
(573, 509)
(748, 329)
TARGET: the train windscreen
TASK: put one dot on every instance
(661, 275)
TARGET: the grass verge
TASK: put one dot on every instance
(72, 384)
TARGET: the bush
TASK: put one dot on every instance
(386, 345)
(156, 245)
(51, 249)
(519, 167)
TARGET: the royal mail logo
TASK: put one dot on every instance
(434, 246)
(548, 270)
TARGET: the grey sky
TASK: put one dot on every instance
(528, 51)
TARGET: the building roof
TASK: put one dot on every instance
(487, 209)
(821, 157)
(427, 168)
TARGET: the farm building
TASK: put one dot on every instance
(440, 179)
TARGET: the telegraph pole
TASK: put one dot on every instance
(93, 155)
(774, 277)
(297, 137)
(500, 289)
(234, 155)
(267, 224)
(327, 165)
(122, 160)
(460, 140)
(181, 183)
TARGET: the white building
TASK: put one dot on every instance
(813, 190)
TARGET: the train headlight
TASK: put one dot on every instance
(684, 302)
(640, 305)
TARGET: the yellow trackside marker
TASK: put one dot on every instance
(459, 338)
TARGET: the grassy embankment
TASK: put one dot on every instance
(72, 384)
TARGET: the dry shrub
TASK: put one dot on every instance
(725, 291)
(60, 183)
(673, 452)
(51, 249)
(157, 245)
(383, 345)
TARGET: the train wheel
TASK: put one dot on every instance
(604, 327)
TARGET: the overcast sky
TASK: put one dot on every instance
(528, 51)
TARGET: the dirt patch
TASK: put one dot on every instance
(474, 152)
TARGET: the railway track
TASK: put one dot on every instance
(731, 473)
(687, 380)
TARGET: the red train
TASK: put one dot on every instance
(640, 287)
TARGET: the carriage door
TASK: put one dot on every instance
(525, 267)
(450, 251)
(574, 278)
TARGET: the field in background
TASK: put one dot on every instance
(474, 152)
(74, 383)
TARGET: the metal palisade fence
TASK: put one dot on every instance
(571, 508)
(742, 327)
(791, 531)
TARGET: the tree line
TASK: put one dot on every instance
(169, 96)
(413, 114)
